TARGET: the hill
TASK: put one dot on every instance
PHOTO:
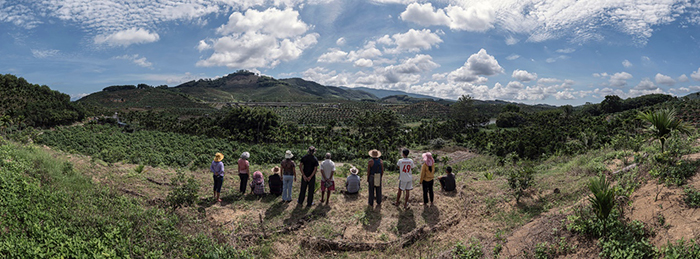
(145, 98)
(244, 86)
(381, 93)
(35, 105)
(693, 96)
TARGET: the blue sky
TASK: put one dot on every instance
(530, 51)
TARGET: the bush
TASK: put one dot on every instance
(692, 198)
(184, 191)
(603, 199)
(519, 180)
(437, 143)
(679, 250)
(674, 173)
(474, 250)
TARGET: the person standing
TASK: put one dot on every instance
(352, 184)
(289, 174)
(243, 168)
(275, 181)
(375, 172)
(427, 173)
(327, 182)
(405, 177)
(308, 167)
(217, 168)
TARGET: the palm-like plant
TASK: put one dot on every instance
(663, 122)
(602, 200)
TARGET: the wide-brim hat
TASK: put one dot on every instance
(375, 153)
(288, 154)
(275, 169)
(218, 157)
(354, 170)
(245, 155)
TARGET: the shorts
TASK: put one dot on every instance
(328, 185)
(405, 185)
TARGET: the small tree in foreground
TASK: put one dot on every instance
(603, 198)
(663, 122)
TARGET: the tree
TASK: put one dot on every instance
(465, 114)
(511, 108)
(611, 104)
(663, 122)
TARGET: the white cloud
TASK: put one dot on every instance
(340, 41)
(333, 56)
(646, 84)
(619, 79)
(472, 17)
(412, 41)
(566, 51)
(363, 62)
(510, 40)
(626, 63)
(548, 81)
(140, 61)
(203, 45)
(323, 76)
(477, 65)
(260, 39)
(127, 37)
(409, 70)
(524, 76)
(695, 75)
(683, 78)
(513, 57)
(46, 53)
(664, 80)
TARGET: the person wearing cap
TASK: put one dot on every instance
(243, 168)
(289, 174)
(427, 173)
(405, 177)
(327, 182)
(217, 169)
(375, 172)
(308, 167)
(275, 181)
(352, 184)
(257, 185)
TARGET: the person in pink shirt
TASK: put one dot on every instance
(243, 168)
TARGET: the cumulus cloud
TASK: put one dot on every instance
(136, 59)
(413, 40)
(260, 39)
(548, 81)
(626, 63)
(695, 75)
(127, 37)
(477, 65)
(324, 76)
(472, 17)
(363, 62)
(512, 57)
(619, 79)
(46, 53)
(333, 56)
(524, 76)
(646, 84)
(408, 70)
(683, 78)
(664, 80)
(203, 45)
(566, 51)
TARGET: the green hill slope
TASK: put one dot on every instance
(35, 105)
(145, 98)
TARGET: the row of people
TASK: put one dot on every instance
(309, 165)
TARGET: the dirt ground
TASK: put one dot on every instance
(480, 210)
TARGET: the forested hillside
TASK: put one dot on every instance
(35, 105)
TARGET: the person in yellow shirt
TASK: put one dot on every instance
(427, 173)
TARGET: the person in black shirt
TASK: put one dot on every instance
(447, 182)
(308, 167)
(275, 181)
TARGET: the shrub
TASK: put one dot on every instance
(519, 180)
(679, 250)
(473, 250)
(184, 191)
(603, 199)
(692, 198)
(674, 173)
(437, 143)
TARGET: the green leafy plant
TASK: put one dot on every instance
(471, 251)
(603, 198)
(692, 198)
(520, 180)
(681, 250)
(488, 175)
(184, 191)
(663, 122)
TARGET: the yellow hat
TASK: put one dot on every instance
(218, 157)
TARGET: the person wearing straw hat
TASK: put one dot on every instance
(375, 172)
(405, 177)
(427, 174)
(308, 167)
(352, 184)
(275, 181)
(243, 168)
(289, 174)
(257, 185)
(217, 168)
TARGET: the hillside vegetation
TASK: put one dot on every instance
(28, 104)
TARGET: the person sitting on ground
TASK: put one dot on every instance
(275, 181)
(257, 186)
(352, 184)
(447, 182)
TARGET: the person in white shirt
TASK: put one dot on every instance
(327, 172)
(405, 177)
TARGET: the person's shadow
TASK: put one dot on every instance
(372, 218)
(350, 197)
(406, 222)
(431, 215)
(275, 210)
